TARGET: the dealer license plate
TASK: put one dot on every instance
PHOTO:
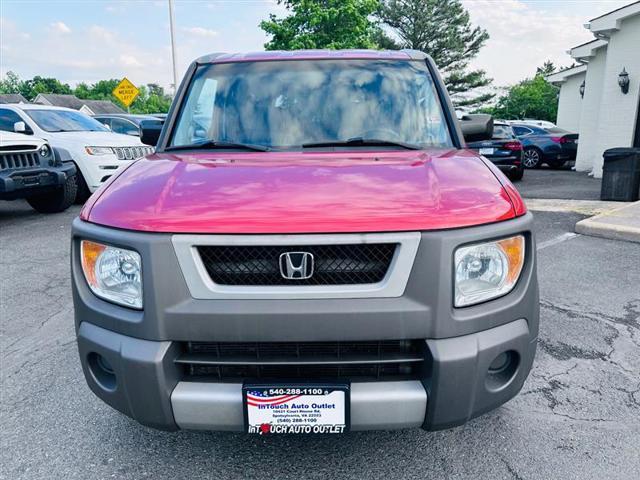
(274, 409)
(486, 151)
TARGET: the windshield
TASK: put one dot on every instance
(286, 104)
(65, 121)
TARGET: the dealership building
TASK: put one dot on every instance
(600, 97)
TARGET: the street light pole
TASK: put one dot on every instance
(173, 46)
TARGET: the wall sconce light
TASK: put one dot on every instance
(582, 85)
(623, 81)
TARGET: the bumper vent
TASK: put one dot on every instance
(332, 264)
(18, 160)
(377, 360)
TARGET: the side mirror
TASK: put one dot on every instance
(476, 128)
(150, 131)
(21, 127)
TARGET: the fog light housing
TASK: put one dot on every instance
(502, 370)
(499, 362)
(102, 371)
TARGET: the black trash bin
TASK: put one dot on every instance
(621, 175)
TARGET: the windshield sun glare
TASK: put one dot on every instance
(285, 105)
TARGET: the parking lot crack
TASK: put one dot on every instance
(631, 317)
(514, 474)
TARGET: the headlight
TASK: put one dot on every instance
(99, 150)
(487, 270)
(44, 150)
(114, 274)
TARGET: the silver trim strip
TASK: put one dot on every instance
(201, 287)
(374, 405)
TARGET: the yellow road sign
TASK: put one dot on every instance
(126, 92)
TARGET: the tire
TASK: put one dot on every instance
(83, 190)
(57, 200)
(517, 175)
(556, 164)
(532, 157)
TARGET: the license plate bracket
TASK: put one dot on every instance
(296, 408)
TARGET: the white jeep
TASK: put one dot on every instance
(96, 151)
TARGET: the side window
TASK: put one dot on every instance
(7, 119)
(196, 118)
(119, 125)
(521, 131)
(105, 121)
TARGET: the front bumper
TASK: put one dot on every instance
(147, 384)
(25, 182)
(97, 169)
(454, 384)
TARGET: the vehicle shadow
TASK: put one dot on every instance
(378, 454)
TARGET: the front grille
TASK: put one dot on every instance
(332, 264)
(18, 160)
(132, 153)
(371, 360)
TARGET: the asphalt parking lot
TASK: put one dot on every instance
(561, 184)
(578, 415)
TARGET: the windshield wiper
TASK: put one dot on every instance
(362, 141)
(212, 144)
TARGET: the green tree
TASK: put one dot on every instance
(40, 84)
(152, 98)
(547, 68)
(442, 29)
(31, 88)
(11, 83)
(332, 24)
(531, 98)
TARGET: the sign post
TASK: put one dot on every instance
(126, 92)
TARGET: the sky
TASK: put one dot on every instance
(90, 40)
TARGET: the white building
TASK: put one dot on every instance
(594, 100)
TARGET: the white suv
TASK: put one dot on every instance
(96, 151)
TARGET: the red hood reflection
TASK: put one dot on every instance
(293, 192)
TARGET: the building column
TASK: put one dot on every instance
(587, 142)
(619, 111)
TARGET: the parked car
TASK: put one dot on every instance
(504, 150)
(326, 257)
(537, 123)
(551, 146)
(96, 151)
(30, 169)
(124, 123)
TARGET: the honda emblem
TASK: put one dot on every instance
(296, 265)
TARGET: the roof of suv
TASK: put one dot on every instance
(38, 106)
(311, 54)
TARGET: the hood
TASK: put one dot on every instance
(8, 139)
(95, 139)
(238, 193)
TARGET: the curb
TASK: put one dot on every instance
(620, 224)
(583, 207)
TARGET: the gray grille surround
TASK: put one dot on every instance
(202, 287)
